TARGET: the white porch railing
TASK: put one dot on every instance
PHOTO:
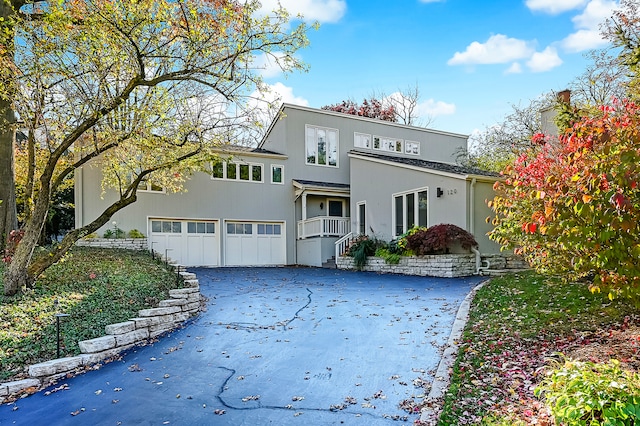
(342, 244)
(324, 226)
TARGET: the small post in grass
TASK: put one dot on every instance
(166, 256)
(58, 315)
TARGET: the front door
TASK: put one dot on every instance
(336, 208)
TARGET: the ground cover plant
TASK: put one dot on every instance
(518, 326)
(96, 287)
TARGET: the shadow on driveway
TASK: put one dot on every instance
(280, 346)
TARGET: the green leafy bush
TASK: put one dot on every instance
(134, 233)
(362, 247)
(439, 239)
(586, 393)
(114, 233)
(401, 242)
(388, 256)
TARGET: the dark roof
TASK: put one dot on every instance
(322, 184)
(433, 165)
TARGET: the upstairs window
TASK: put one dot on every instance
(148, 185)
(248, 172)
(387, 144)
(277, 173)
(361, 140)
(412, 148)
(321, 145)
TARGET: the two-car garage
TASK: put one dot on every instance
(206, 243)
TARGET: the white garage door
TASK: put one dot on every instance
(254, 243)
(188, 242)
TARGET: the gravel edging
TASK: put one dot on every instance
(442, 379)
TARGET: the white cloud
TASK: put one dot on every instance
(515, 68)
(587, 24)
(311, 10)
(595, 13)
(433, 108)
(545, 60)
(280, 93)
(583, 40)
(497, 50)
(554, 7)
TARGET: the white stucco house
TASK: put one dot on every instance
(317, 177)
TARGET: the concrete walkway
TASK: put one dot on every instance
(280, 346)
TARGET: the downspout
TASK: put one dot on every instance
(479, 268)
(472, 218)
(472, 197)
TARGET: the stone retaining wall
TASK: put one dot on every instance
(171, 313)
(441, 265)
(122, 243)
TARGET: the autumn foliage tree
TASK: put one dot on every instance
(571, 205)
(144, 89)
(372, 108)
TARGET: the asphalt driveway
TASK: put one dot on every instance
(276, 346)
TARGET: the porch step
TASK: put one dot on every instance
(330, 263)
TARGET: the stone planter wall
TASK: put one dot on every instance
(441, 265)
(121, 243)
(171, 313)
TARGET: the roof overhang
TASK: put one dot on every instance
(320, 188)
(237, 152)
(461, 176)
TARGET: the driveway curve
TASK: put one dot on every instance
(275, 346)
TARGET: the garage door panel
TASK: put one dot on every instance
(250, 244)
(189, 243)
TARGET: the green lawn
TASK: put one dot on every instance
(96, 287)
(517, 324)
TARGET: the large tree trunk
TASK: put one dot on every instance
(18, 275)
(8, 217)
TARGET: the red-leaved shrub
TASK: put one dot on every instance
(439, 238)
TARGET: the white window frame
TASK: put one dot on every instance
(307, 127)
(409, 145)
(358, 139)
(388, 144)
(359, 219)
(273, 167)
(225, 164)
(148, 187)
(416, 212)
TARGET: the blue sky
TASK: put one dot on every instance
(470, 59)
